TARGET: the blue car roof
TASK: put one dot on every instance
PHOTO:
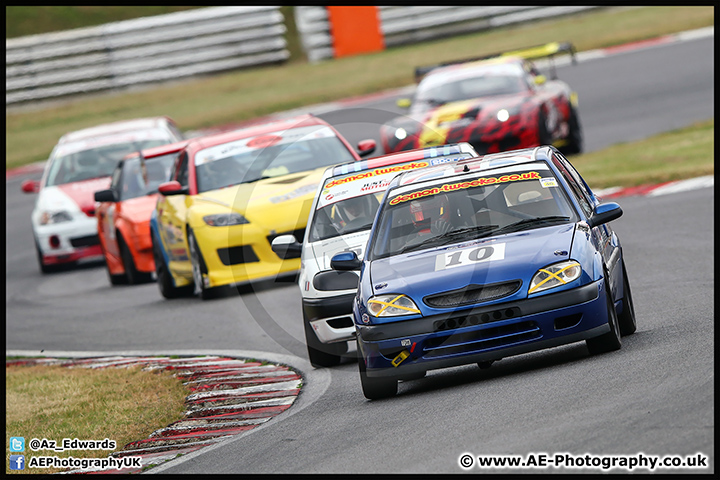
(485, 162)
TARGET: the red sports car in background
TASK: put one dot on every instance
(123, 214)
(496, 103)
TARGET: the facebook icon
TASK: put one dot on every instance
(17, 462)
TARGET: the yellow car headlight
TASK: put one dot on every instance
(224, 219)
(391, 305)
(555, 275)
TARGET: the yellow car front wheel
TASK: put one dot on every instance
(199, 272)
(164, 277)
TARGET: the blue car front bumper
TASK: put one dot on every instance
(484, 333)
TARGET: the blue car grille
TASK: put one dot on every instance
(479, 340)
(472, 294)
(475, 319)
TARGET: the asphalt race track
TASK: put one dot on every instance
(653, 397)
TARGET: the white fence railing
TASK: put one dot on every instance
(314, 28)
(145, 50)
(402, 25)
(214, 39)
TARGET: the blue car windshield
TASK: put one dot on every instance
(466, 208)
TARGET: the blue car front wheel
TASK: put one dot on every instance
(609, 341)
(375, 388)
(628, 325)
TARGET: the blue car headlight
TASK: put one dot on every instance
(391, 305)
(555, 275)
(224, 219)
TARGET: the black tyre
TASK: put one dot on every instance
(120, 279)
(544, 137)
(626, 319)
(609, 341)
(44, 268)
(375, 388)
(320, 354)
(164, 280)
(199, 269)
(413, 376)
(575, 135)
(115, 279)
(133, 275)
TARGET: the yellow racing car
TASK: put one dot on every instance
(231, 194)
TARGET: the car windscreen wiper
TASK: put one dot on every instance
(360, 228)
(93, 177)
(417, 246)
(255, 179)
(477, 231)
(434, 101)
(532, 222)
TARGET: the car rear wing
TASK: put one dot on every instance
(549, 50)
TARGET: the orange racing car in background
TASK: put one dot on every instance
(123, 214)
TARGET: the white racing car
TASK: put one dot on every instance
(63, 220)
(340, 220)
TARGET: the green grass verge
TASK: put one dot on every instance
(54, 402)
(680, 154)
(241, 95)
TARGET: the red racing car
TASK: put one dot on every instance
(123, 214)
(63, 220)
(496, 103)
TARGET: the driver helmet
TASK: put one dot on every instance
(354, 208)
(429, 210)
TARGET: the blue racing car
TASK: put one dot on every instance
(483, 259)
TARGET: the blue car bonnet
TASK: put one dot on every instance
(489, 260)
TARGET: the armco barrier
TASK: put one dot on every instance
(314, 29)
(410, 24)
(168, 47)
(144, 50)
